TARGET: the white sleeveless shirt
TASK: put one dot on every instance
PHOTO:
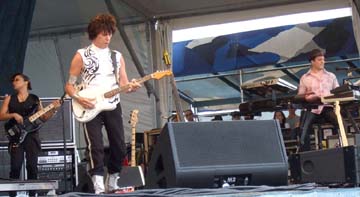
(98, 70)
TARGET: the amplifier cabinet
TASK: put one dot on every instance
(51, 133)
(5, 164)
(51, 166)
(327, 166)
(333, 140)
(5, 167)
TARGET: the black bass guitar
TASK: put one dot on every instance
(16, 132)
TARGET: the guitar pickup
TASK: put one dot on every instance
(11, 132)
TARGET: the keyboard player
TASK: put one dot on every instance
(316, 83)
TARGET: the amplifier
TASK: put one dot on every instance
(327, 166)
(51, 132)
(51, 166)
(5, 164)
(54, 156)
(48, 168)
(333, 140)
(5, 167)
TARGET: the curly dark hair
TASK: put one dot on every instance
(101, 23)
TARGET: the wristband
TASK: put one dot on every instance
(75, 96)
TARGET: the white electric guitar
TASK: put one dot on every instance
(102, 98)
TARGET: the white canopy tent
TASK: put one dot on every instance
(58, 30)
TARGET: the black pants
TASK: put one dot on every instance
(93, 136)
(31, 147)
(310, 118)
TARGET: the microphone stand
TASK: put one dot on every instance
(64, 141)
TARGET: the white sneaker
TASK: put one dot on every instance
(111, 182)
(98, 182)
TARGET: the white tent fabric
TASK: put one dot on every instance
(212, 19)
(356, 22)
(219, 18)
(48, 58)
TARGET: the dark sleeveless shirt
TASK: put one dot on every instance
(26, 108)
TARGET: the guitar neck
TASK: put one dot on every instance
(133, 148)
(116, 91)
(43, 111)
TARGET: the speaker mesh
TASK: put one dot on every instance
(52, 130)
(229, 143)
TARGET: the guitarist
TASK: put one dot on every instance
(95, 67)
(17, 107)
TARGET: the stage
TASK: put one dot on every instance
(308, 190)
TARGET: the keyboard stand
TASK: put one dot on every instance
(337, 109)
(343, 138)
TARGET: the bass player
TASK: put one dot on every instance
(17, 107)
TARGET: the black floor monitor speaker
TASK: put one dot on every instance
(327, 166)
(211, 154)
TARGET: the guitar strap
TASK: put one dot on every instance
(113, 59)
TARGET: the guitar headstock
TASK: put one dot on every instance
(134, 117)
(161, 74)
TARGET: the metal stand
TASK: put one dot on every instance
(342, 134)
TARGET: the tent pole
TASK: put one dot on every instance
(240, 84)
(121, 28)
(156, 65)
(59, 57)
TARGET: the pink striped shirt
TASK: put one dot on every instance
(320, 86)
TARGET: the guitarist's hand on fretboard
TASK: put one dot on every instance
(133, 86)
(56, 104)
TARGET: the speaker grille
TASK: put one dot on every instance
(227, 143)
(5, 164)
(52, 130)
(204, 154)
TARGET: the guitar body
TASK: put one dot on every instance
(101, 104)
(16, 132)
(106, 100)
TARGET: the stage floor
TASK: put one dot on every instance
(308, 190)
